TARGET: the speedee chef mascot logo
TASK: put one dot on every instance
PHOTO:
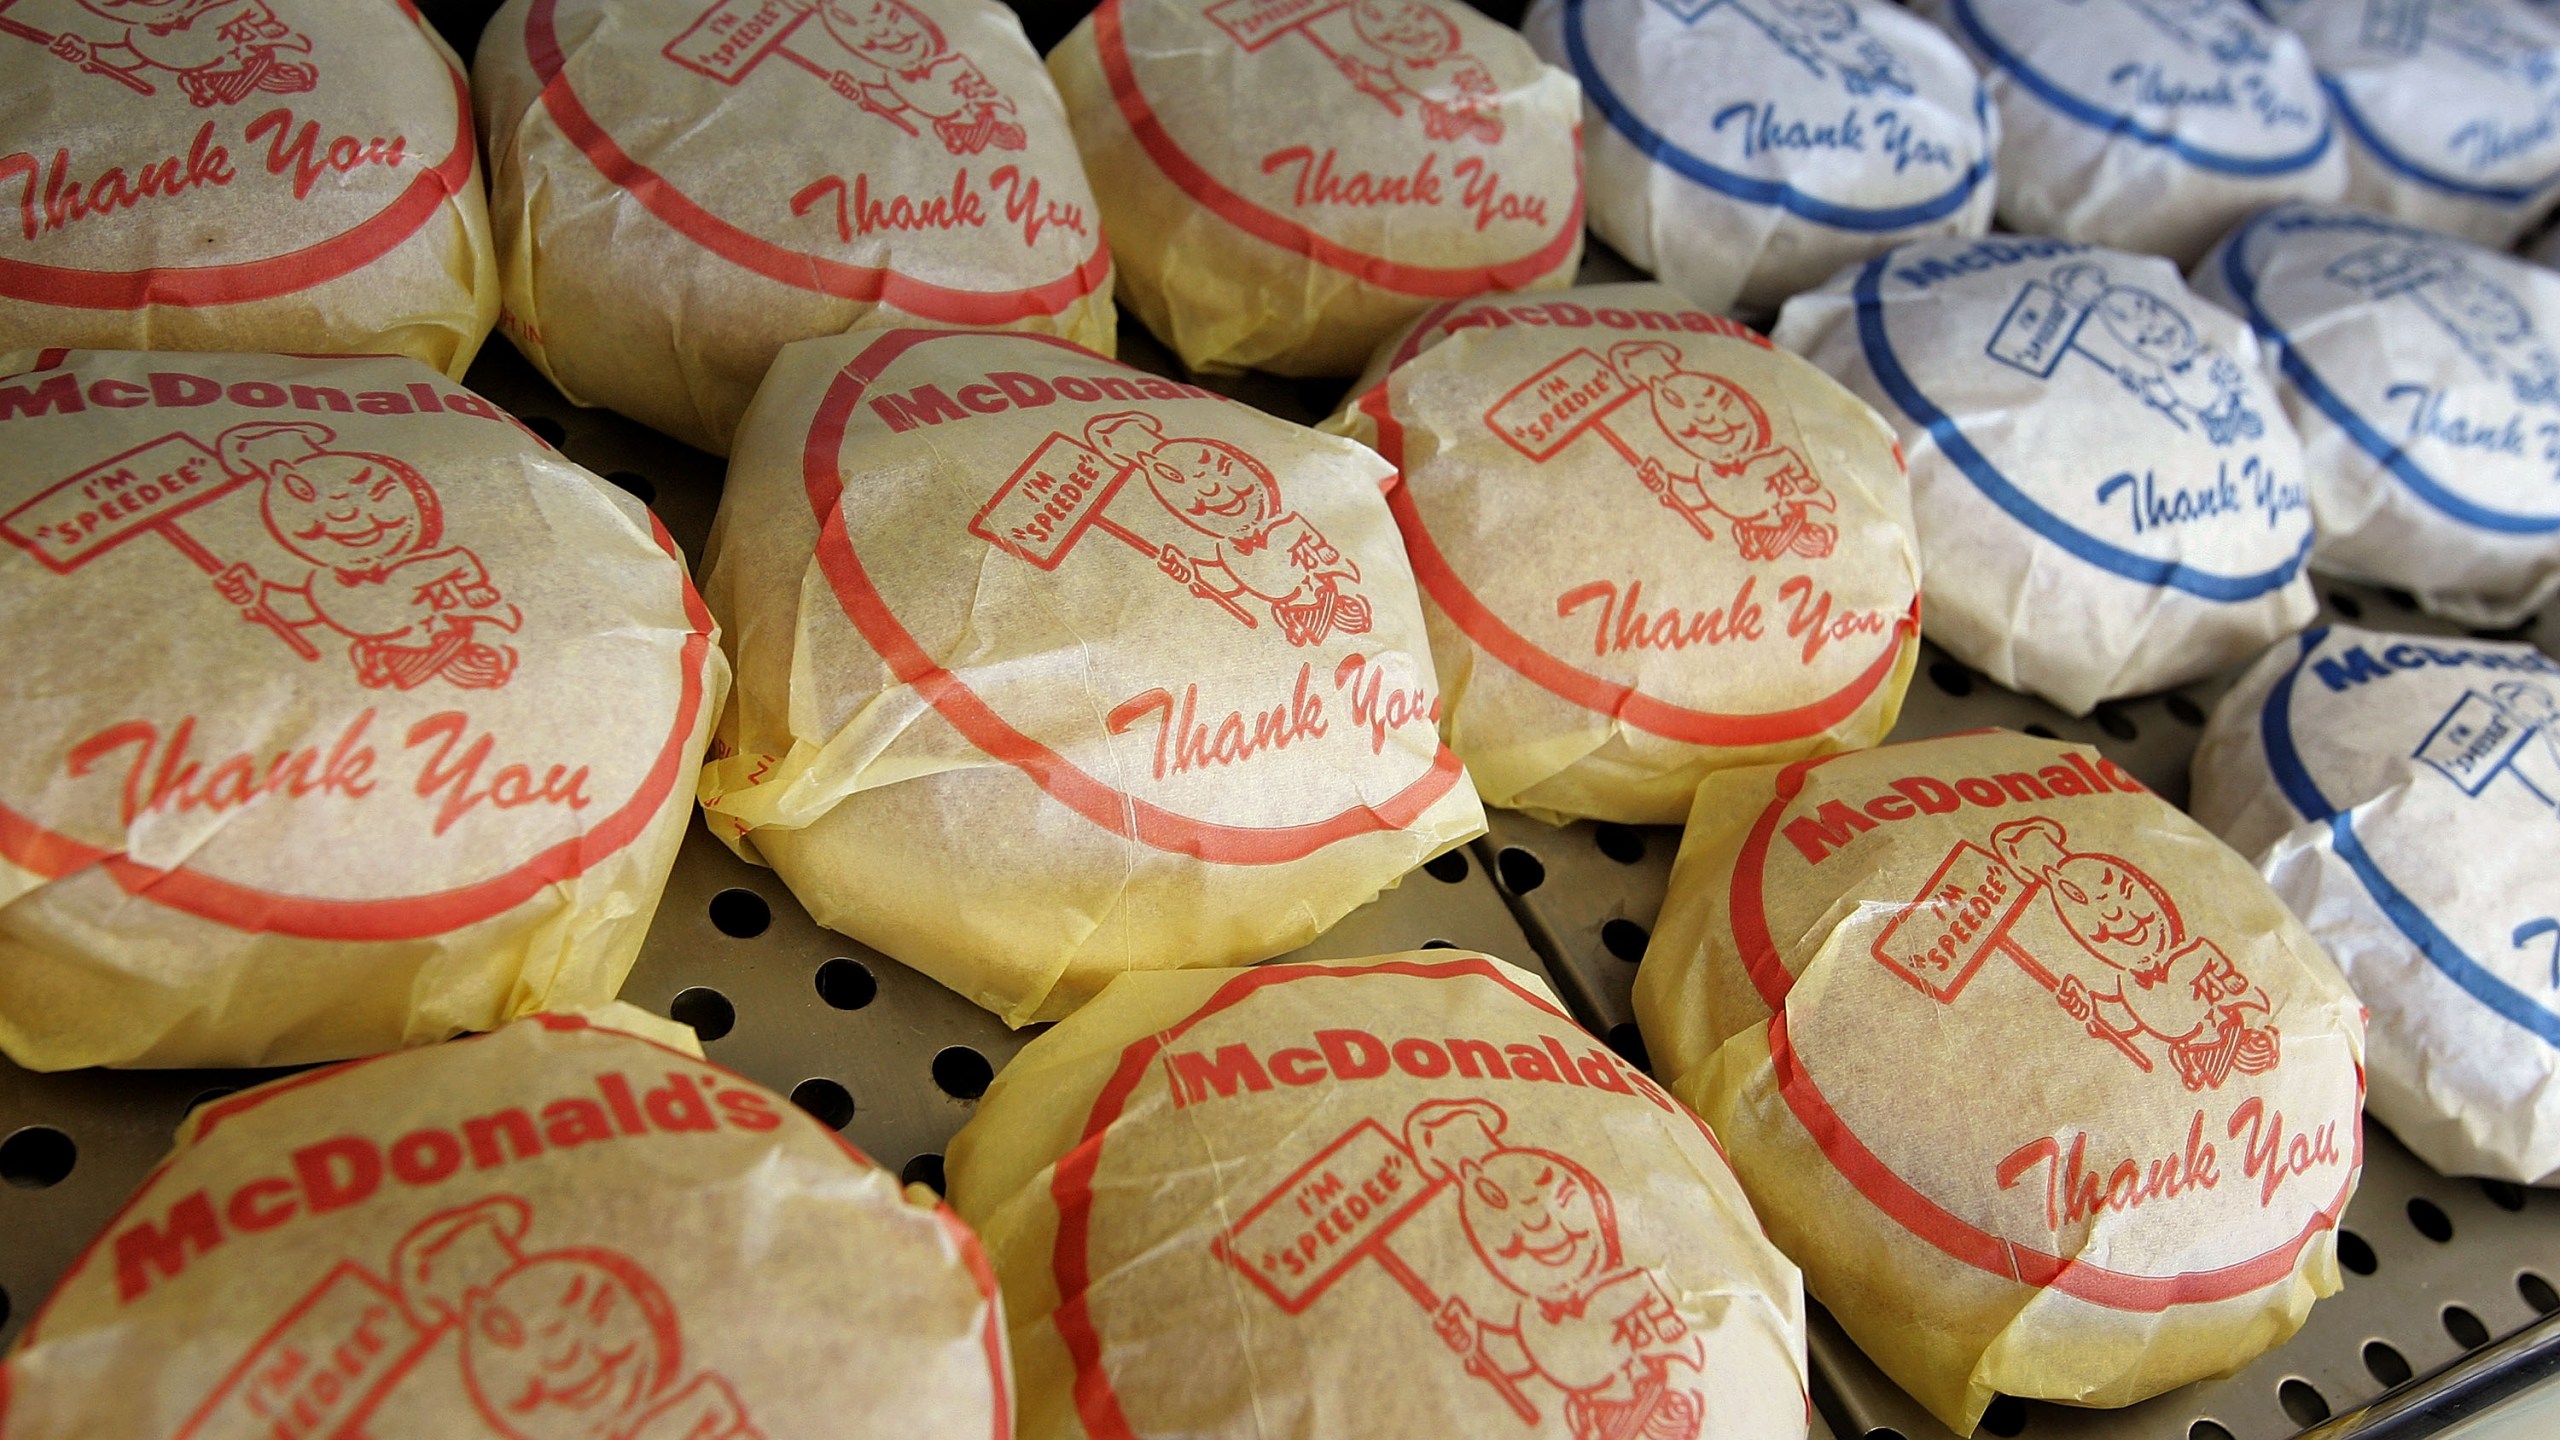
(303, 602)
(2403, 792)
(2445, 441)
(2451, 106)
(314, 118)
(1462, 1180)
(1676, 509)
(479, 1260)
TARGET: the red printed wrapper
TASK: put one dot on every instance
(1085, 670)
(346, 714)
(1286, 182)
(683, 187)
(573, 1227)
(1996, 1036)
(1372, 1198)
(234, 175)
(1653, 546)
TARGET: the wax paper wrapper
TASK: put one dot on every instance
(1743, 150)
(1286, 182)
(2422, 373)
(1650, 544)
(346, 714)
(1379, 1198)
(2402, 794)
(683, 187)
(2036, 1079)
(239, 175)
(1136, 677)
(571, 1226)
(2111, 500)
(2447, 108)
(2144, 126)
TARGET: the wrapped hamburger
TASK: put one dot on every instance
(683, 187)
(2399, 791)
(2110, 499)
(1996, 1037)
(1286, 184)
(1745, 151)
(1651, 545)
(1226, 1203)
(1050, 669)
(2148, 125)
(216, 175)
(306, 757)
(2447, 108)
(2423, 374)
(572, 1227)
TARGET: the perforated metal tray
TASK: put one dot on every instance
(896, 1061)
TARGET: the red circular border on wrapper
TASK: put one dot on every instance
(1902, 1201)
(955, 701)
(1492, 634)
(314, 264)
(680, 212)
(31, 846)
(1071, 1176)
(1187, 175)
(972, 1254)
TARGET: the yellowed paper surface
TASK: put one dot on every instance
(1287, 181)
(571, 1227)
(1387, 1197)
(1050, 669)
(683, 187)
(1652, 546)
(347, 714)
(2038, 1081)
(236, 175)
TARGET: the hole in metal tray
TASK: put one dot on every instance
(1521, 871)
(36, 1157)
(740, 914)
(1625, 939)
(2356, 1254)
(1449, 867)
(1619, 842)
(2302, 1403)
(1628, 1041)
(2537, 1292)
(1951, 677)
(2182, 709)
(642, 488)
(706, 1010)
(2006, 1416)
(847, 984)
(2465, 1328)
(1439, 944)
(2346, 605)
(2505, 1194)
(962, 1072)
(925, 1169)
(2043, 732)
(2384, 1364)
(2116, 723)
(2207, 1430)
(553, 433)
(828, 1101)
(2429, 1219)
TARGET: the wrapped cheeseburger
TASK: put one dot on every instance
(1651, 545)
(682, 188)
(1745, 151)
(571, 1229)
(1286, 184)
(2148, 126)
(225, 175)
(1997, 1038)
(1368, 1200)
(2424, 372)
(307, 758)
(2110, 499)
(1050, 669)
(2401, 793)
